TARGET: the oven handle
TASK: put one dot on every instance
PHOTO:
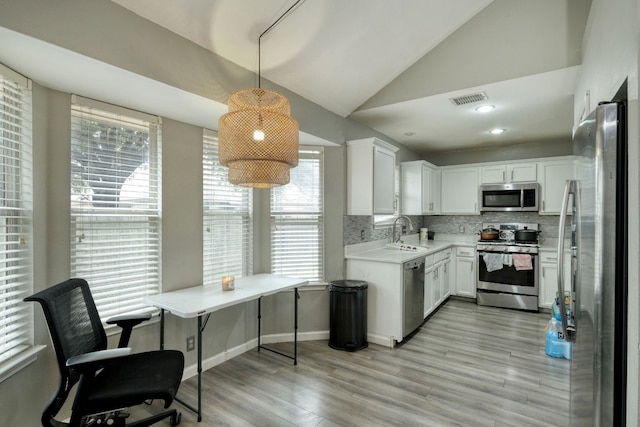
(568, 331)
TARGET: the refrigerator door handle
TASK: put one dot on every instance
(568, 331)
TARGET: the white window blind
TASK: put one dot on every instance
(228, 222)
(16, 207)
(115, 205)
(297, 231)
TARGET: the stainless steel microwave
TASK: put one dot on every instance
(509, 197)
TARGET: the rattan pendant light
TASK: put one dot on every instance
(258, 139)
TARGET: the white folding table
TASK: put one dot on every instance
(201, 301)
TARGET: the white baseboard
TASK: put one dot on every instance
(216, 359)
(381, 340)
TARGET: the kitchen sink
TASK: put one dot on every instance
(406, 247)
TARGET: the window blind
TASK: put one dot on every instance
(228, 223)
(115, 206)
(297, 231)
(16, 207)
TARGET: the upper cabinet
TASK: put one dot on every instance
(459, 187)
(371, 165)
(420, 188)
(553, 175)
(504, 174)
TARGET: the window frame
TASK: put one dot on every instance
(16, 205)
(220, 222)
(302, 217)
(127, 230)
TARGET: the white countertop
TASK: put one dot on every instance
(377, 251)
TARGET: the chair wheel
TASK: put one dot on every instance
(175, 419)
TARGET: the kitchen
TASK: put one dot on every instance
(180, 268)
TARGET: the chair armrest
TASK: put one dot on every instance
(93, 361)
(127, 322)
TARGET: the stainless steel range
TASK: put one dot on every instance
(507, 267)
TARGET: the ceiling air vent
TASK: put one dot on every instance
(468, 99)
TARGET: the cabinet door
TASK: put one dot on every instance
(525, 172)
(383, 181)
(553, 177)
(427, 206)
(445, 281)
(435, 192)
(465, 277)
(437, 285)
(494, 174)
(459, 191)
(548, 279)
(429, 281)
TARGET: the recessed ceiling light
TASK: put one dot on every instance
(485, 108)
(497, 131)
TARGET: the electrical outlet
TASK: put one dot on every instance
(461, 229)
(191, 343)
(361, 234)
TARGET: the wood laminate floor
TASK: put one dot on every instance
(466, 366)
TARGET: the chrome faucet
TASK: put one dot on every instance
(393, 235)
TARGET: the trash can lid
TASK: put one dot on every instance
(350, 284)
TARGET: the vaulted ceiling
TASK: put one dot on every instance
(394, 66)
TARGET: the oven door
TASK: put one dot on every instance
(507, 279)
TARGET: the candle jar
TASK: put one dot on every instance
(228, 283)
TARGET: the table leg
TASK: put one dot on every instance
(197, 410)
(296, 297)
(259, 320)
(162, 329)
(200, 326)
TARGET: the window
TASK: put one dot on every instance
(115, 205)
(297, 231)
(228, 223)
(16, 251)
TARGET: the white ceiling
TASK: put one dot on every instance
(340, 54)
(390, 65)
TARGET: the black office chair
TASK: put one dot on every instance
(109, 381)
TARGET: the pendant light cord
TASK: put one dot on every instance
(267, 30)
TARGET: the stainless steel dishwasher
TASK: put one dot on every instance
(413, 295)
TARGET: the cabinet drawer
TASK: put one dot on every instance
(446, 253)
(470, 252)
(428, 261)
(438, 256)
(552, 257)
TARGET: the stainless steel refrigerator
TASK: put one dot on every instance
(594, 224)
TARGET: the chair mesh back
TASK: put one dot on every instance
(72, 318)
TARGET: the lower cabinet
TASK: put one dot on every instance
(548, 276)
(437, 280)
(466, 272)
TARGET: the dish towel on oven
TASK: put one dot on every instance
(522, 262)
(493, 261)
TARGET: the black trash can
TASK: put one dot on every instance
(348, 315)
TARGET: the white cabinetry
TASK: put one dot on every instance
(370, 177)
(429, 285)
(385, 295)
(459, 191)
(437, 280)
(419, 188)
(502, 174)
(548, 277)
(466, 272)
(553, 175)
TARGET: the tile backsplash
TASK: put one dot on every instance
(357, 226)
